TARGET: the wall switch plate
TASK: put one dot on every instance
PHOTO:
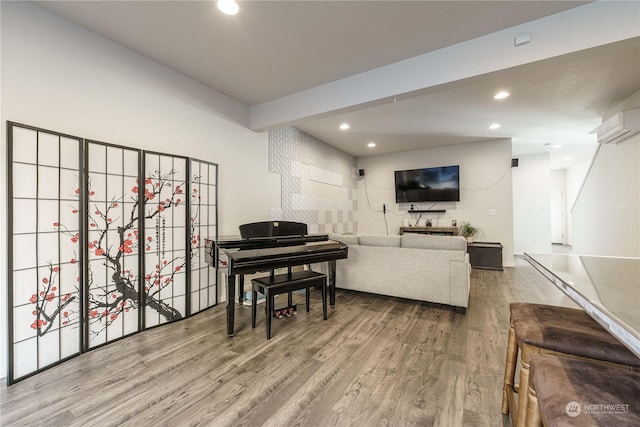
(493, 212)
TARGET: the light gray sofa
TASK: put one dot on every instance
(415, 266)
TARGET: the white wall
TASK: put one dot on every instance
(485, 180)
(575, 176)
(60, 77)
(532, 204)
(559, 188)
(606, 216)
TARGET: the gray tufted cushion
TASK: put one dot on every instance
(426, 241)
(347, 239)
(386, 241)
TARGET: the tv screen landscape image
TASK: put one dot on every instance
(438, 184)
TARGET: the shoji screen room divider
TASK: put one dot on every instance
(104, 241)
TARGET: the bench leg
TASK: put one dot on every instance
(324, 298)
(254, 307)
(307, 298)
(270, 303)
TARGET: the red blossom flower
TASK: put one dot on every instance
(115, 205)
(65, 314)
(178, 268)
(75, 211)
(77, 191)
(134, 190)
(74, 239)
(92, 193)
(33, 299)
(45, 280)
(54, 288)
(73, 261)
(55, 269)
(99, 251)
(114, 316)
(93, 313)
(55, 224)
(50, 297)
(147, 181)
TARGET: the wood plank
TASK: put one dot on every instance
(376, 361)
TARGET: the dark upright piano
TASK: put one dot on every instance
(267, 245)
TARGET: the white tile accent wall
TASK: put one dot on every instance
(325, 176)
(289, 151)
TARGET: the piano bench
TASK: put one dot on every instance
(270, 286)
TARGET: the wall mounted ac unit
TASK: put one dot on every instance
(621, 126)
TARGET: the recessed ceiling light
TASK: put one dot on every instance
(501, 95)
(556, 146)
(494, 126)
(344, 126)
(567, 158)
(229, 7)
(371, 144)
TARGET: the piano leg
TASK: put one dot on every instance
(231, 297)
(332, 283)
(241, 289)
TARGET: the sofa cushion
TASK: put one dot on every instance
(388, 241)
(426, 241)
(347, 239)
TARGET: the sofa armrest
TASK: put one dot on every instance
(460, 282)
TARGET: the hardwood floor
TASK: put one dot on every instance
(377, 361)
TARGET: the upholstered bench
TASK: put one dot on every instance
(547, 329)
(577, 392)
(273, 285)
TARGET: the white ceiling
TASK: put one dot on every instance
(274, 49)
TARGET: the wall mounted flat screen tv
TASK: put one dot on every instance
(439, 184)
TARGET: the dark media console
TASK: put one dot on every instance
(440, 231)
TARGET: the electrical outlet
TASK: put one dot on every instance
(493, 212)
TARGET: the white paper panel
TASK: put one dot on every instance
(48, 183)
(24, 181)
(69, 153)
(97, 187)
(24, 216)
(69, 184)
(23, 322)
(48, 219)
(49, 348)
(70, 340)
(130, 167)
(48, 149)
(25, 145)
(114, 160)
(25, 360)
(25, 285)
(97, 158)
(24, 255)
(115, 188)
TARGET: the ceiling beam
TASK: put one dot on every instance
(576, 29)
